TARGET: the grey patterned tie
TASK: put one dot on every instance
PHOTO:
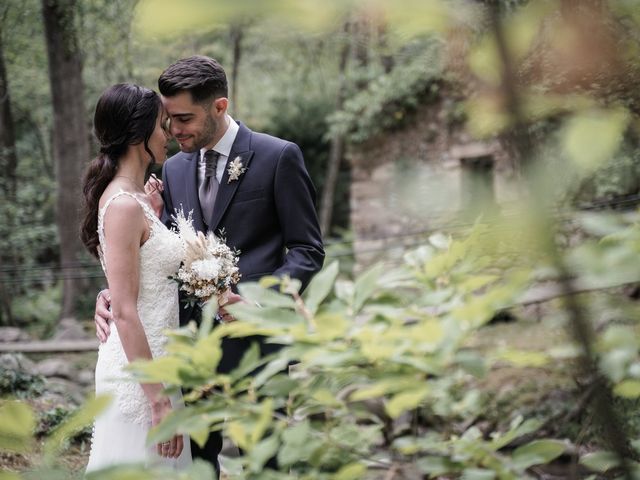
(209, 185)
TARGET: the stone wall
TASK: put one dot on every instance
(411, 181)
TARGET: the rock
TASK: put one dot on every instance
(86, 377)
(65, 389)
(17, 362)
(55, 367)
(70, 329)
(13, 334)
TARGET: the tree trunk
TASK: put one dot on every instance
(8, 165)
(235, 34)
(70, 139)
(8, 157)
(337, 141)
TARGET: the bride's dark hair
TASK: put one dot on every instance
(125, 115)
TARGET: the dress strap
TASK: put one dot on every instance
(101, 212)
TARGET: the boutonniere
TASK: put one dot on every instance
(236, 168)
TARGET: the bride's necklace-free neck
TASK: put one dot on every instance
(138, 187)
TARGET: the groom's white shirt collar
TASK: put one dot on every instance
(223, 147)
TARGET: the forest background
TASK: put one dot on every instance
(555, 81)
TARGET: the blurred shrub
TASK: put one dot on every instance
(39, 310)
(50, 420)
(18, 384)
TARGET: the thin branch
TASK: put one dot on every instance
(580, 326)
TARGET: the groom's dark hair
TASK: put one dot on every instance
(204, 77)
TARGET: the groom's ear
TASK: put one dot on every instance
(219, 106)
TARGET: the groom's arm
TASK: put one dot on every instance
(295, 195)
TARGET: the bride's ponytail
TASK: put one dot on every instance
(97, 176)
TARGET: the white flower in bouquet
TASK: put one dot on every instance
(209, 267)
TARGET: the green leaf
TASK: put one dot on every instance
(250, 361)
(297, 434)
(350, 471)
(265, 297)
(262, 452)
(269, 281)
(404, 401)
(266, 317)
(600, 461)
(161, 370)
(478, 474)
(200, 470)
(537, 452)
(17, 424)
(518, 429)
(383, 387)
(365, 285)
(208, 313)
(437, 466)
(331, 326)
(238, 433)
(523, 358)
(343, 290)
(200, 436)
(628, 389)
(264, 421)
(321, 286)
(471, 362)
(297, 444)
(126, 472)
(80, 419)
(593, 137)
(272, 368)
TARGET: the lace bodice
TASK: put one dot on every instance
(158, 309)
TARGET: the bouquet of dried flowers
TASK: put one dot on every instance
(209, 267)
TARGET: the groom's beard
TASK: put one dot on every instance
(203, 139)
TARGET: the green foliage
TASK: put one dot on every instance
(616, 178)
(301, 117)
(39, 309)
(16, 428)
(14, 383)
(52, 419)
(389, 99)
(367, 355)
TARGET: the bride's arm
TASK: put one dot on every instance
(125, 227)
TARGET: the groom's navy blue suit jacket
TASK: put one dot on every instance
(268, 213)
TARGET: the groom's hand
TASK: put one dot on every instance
(102, 315)
(228, 298)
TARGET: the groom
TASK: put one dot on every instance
(253, 186)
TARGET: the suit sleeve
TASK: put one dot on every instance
(168, 210)
(294, 195)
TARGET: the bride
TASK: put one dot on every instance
(137, 253)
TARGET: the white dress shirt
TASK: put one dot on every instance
(223, 147)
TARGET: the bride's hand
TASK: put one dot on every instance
(154, 188)
(171, 448)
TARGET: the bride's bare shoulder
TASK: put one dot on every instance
(122, 207)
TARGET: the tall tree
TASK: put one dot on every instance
(8, 164)
(236, 33)
(337, 140)
(8, 157)
(70, 138)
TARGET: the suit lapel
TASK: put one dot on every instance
(227, 189)
(191, 189)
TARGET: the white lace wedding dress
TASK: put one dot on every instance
(119, 434)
